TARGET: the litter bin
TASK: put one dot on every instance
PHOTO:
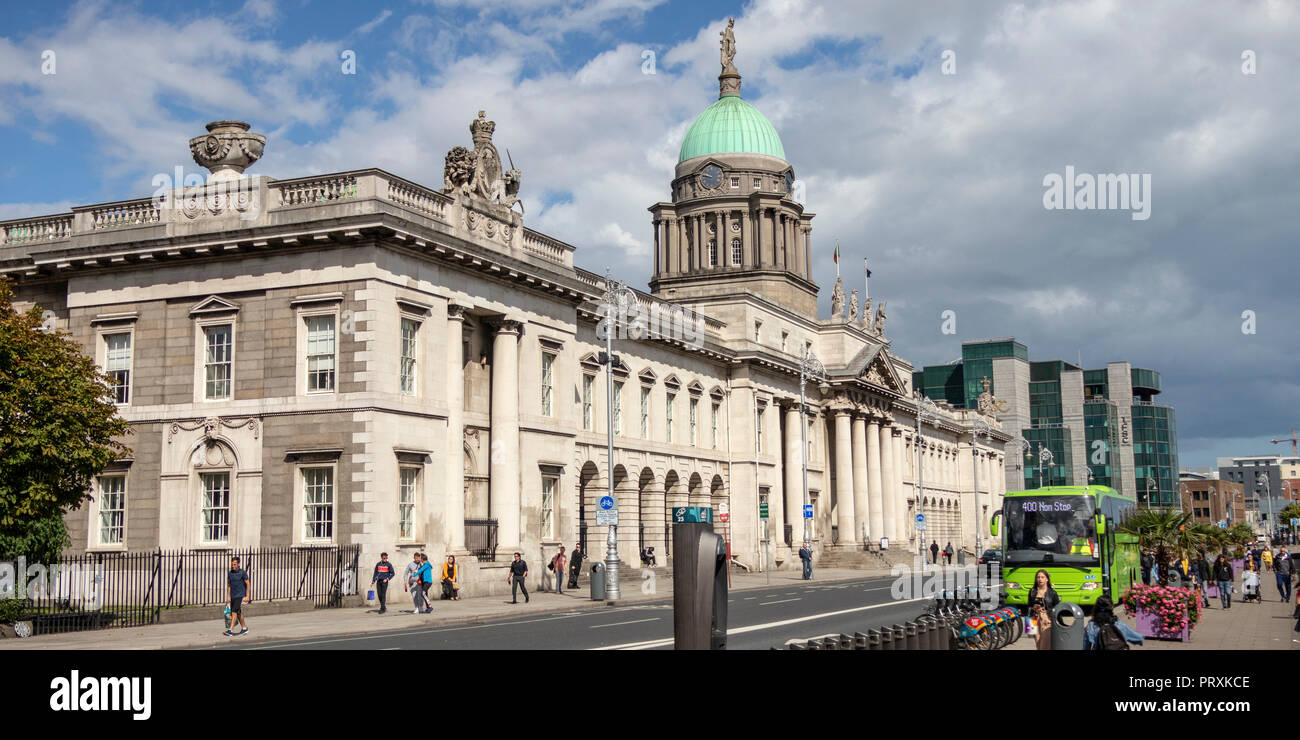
(961, 556)
(1067, 627)
(598, 582)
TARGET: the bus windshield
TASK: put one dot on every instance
(1045, 530)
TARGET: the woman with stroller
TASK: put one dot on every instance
(1250, 583)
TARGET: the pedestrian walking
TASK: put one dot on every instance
(934, 553)
(1223, 574)
(1105, 631)
(556, 566)
(423, 580)
(517, 577)
(410, 584)
(237, 593)
(1268, 559)
(947, 552)
(1148, 562)
(575, 565)
(1250, 584)
(451, 579)
(1203, 577)
(1042, 600)
(805, 556)
(384, 572)
(1282, 569)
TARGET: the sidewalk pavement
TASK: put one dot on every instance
(366, 620)
(1254, 626)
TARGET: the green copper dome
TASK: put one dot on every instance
(731, 126)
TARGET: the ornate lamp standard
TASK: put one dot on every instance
(809, 367)
(1151, 486)
(1022, 447)
(616, 301)
(1045, 459)
(978, 427)
(926, 410)
(1263, 478)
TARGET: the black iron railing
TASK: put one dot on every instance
(481, 539)
(131, 589)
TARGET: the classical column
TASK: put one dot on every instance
(860, 507)
(889, 478)
(807, 252)
(844, 476)
(658, 254)
(503, 487)
(724, 240)
(874, 476)
(793, 476)
(699, 242)
(453, 495)
(679, 244)
(746, 239)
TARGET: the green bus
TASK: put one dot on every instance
(1071, 532)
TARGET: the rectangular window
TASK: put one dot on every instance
(117, 364)
(409, 329)
(758, 429)
(216, 508)
(737, 255)
(758, 327)
(112, 509)
(587, 382)
(217, 361)
(758, 183)
(320, 353)
(318, 503)
(713, 253)
(645, 413)
(694, 418)
(548, 382)
(785, 336)
(715, 426)
(549, 484)
(618, 407)
(668, 414)
(406, 503)
(735, 182)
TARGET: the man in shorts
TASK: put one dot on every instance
(237, 594)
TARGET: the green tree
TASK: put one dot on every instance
(58, 425)
(1289, 512)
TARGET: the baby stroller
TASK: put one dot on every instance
(1250, 587)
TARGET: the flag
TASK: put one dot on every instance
(837, 252)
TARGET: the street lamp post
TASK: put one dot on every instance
(1045, 459)
(978, 427)
(1022, 447)
(1272, 524)
(810, 367)
(1151, 486)
(926, 410)
(616, 301)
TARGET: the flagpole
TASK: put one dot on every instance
(866, 277)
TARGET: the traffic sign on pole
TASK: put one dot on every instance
(807, 511)
(606, 502)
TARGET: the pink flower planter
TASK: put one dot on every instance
(1148, 625)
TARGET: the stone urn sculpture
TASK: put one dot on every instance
(227, 149)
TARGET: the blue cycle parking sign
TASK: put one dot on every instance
(606, 503)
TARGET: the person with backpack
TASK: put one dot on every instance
(556, 566)
(1105, 631)
(384, 572)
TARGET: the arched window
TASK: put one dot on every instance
(736, 254)
(713, 252)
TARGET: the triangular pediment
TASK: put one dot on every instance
(214, 304)
(872, 365)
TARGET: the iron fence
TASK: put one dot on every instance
(132, 589)
(481, 539)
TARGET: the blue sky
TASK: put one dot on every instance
(937, 178)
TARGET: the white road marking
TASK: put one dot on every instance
(616, 624)
(756, 627)
(782, 601)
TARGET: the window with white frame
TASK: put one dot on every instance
(318, 503)
(758, 428)
(715, 426)
(737, 255)
(117, 364)
(321, 352)
(112, 509)
(548, 382)
(694, 418)
(408, 484)
(549, 485)
(669, 407)
(645, 413)
(410, 330)
(217, 357)
(618, 407)
(713, 252)
(587, 414)
(215, 521)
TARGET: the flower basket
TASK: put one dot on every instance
(1163, 611)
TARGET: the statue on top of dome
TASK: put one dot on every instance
(729, 47)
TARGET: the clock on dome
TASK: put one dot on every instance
(711, 176)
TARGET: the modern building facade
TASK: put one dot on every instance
(1101, 426)
(1211, 501)
(1270, 483)
(355, 358)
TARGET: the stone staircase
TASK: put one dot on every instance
(859, 559)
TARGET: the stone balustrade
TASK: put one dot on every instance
(43, 229)
(309, 191)
(140, 212)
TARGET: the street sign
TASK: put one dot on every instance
(724, 507)
(724, 517)
(1295, 522)
(606, 503)
(693, 514)
(606, 518)
(920, 526)
(1223, 525)
(762, 511)
(807, 511)
(920, 519)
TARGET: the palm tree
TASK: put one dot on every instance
(1163, 529)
